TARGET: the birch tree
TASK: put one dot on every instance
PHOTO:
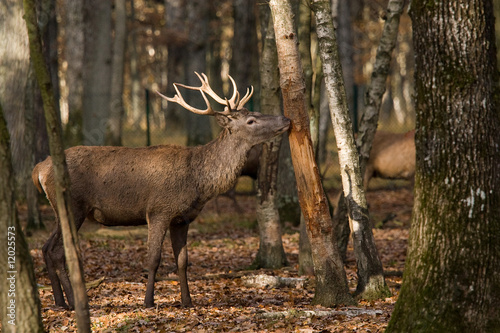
(373, 102)
(371, 282)
(331, 281)
(451, 281)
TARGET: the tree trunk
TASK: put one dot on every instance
(61, 175)
(346, 48)
(244, 42)
(271, 253)
(117, 111)
(97, 79)
(373, 101)
(136, 92)
(18, 292)
(377, 87)
(371, 283)
(287, 199)
(452, 274)
(175, 15)
(47, 23)
(74, 53)
(14, 67)
(32, 106)
(306, 266)
(331, 281)
(199, 131)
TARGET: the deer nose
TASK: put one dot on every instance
(286, 121)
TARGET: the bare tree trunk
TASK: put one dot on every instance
(377, 87)
(451, 281)
(287, 199)
(97, 79)
(271, 253)
(199, 130)
(32, 106)
(74, 53)
(371, 283)
(175, 15)
(136, 92)
(14, 68)
(373, 101)
(61, 175)
(345, 38)
(15, 96)
(18, 292)
(331, 281)
(117, 111)
(244, 42)
(304, 30)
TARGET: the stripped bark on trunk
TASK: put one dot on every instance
(331, 281)
(306, 266)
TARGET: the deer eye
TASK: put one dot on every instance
(251, 121)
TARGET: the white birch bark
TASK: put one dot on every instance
(371, 283)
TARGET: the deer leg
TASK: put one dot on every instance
(54, 245)
(178, 236)
(55, 259)
(156, 234)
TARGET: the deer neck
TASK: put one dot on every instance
(219, 164)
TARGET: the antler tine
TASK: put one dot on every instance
(234, 103)
(235, 99)
(245, 98)
(180, 100)
(227, 109)
(205, 87)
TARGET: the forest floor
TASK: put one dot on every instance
(222, 244)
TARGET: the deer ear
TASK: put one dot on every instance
(223, 120)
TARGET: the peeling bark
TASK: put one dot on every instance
(331, 281)
(306, 266)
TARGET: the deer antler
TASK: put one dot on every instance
(234, 103)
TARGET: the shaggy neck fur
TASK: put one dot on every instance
(219, 163)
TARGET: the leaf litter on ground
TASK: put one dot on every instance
(223, 242)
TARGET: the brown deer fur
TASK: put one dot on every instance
(164, 187)
(392, 156)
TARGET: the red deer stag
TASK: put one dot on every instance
(163, 186)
